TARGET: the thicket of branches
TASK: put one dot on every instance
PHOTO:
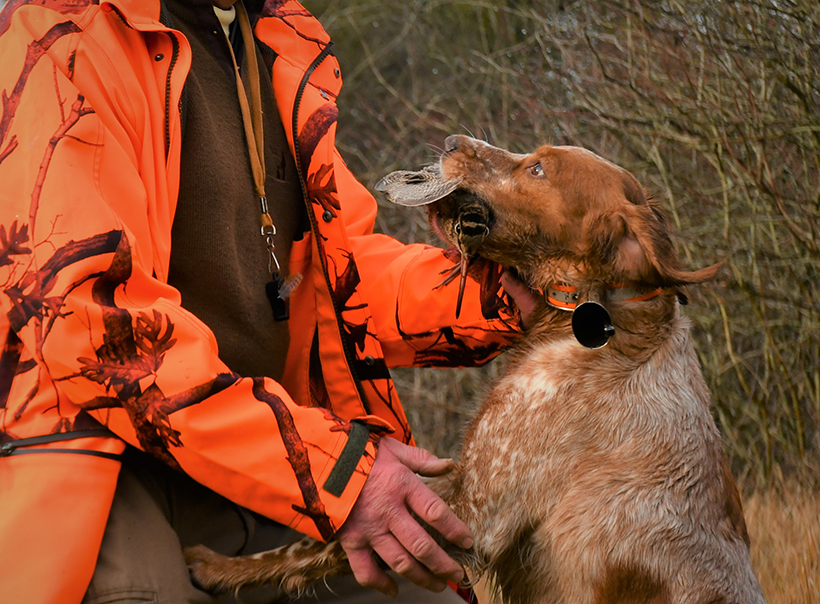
(712, 104)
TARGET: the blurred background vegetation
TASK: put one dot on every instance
(712, 104)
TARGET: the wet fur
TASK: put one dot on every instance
(588, 476)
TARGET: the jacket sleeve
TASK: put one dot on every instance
(415, 320)
(90, 332)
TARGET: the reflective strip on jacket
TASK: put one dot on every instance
(90, 137)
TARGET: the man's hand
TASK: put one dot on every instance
(380, 522)
(524, 298)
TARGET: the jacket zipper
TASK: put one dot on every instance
(174, 57)
(295, 126)
(10, 448)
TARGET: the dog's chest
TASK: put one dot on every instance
(557, 415)
(513, 445)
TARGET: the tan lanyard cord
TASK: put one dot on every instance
(252, 122)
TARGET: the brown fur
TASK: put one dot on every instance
(592, 476)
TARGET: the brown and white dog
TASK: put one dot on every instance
(593, 473)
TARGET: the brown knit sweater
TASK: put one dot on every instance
(219, 261)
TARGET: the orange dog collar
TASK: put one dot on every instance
(565, 296)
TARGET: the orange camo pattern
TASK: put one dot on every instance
(92, 334)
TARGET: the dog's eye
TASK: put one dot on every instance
(537, 170)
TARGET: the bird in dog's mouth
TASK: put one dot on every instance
(471, 217)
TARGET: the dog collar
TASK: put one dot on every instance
(565, 297)
(560, 296)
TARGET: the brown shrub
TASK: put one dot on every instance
(713, 104)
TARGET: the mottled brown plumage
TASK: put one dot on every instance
(416, 188)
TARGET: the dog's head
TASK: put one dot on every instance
(560, 214)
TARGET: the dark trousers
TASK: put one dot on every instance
(158, 511)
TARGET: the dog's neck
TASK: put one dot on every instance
(642, 314)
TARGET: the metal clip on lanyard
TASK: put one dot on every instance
(254, 133)
(268, 231)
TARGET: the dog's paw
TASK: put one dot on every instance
(206, 566)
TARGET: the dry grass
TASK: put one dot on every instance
(784, 526)
(785, 531)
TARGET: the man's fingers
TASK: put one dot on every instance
(419, 460)
(523, 296)
(513, 284)
(403, 562)
(368, 573)
(380, 523)
(437, 467)
(432, 509)
(424, 548)
(423, 501)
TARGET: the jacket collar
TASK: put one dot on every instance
(144, 15)
(140, 14)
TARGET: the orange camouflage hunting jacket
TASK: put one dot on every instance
(97, 350)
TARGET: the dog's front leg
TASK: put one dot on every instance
(292, 568)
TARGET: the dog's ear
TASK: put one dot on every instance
(631, 241)
(645, 251)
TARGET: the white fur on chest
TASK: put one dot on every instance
(606, 441)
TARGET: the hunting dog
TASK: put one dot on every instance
(593, 472)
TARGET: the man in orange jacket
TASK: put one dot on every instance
(197, 319)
